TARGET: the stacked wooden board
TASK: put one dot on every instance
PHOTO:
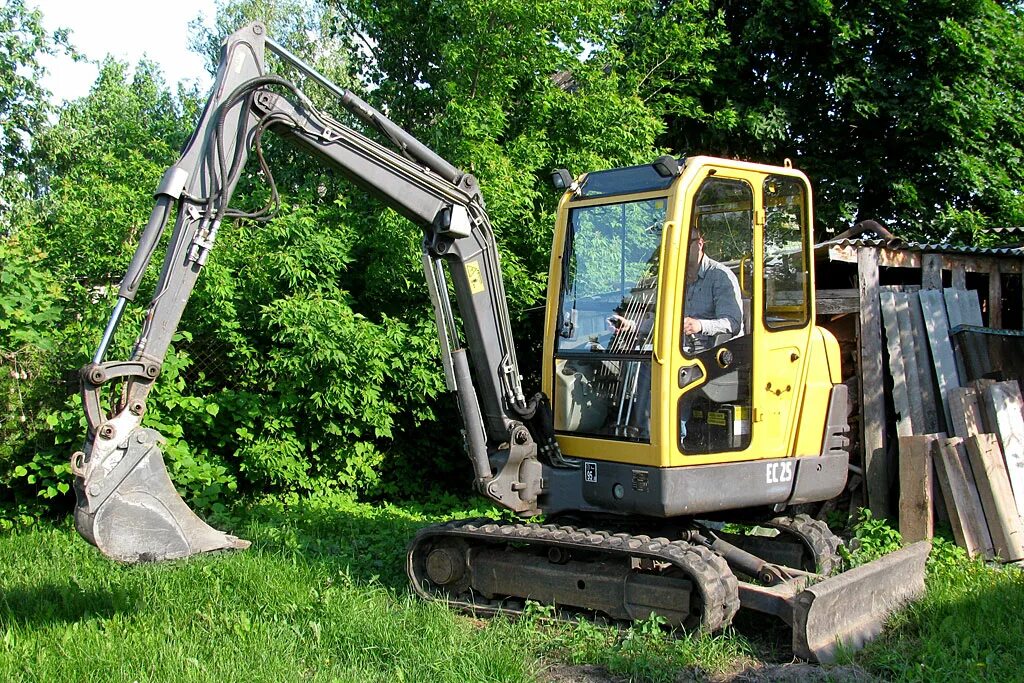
(969, 434)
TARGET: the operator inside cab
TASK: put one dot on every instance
(712, 311)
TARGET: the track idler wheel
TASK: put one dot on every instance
(717, 598)
(821, 546)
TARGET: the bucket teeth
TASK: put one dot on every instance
(132, 512)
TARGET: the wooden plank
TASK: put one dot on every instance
(970, 307)
(988, 420)
(1004, 522)
(980, 263)
(836, 306)
(966, 412)
(931, 271)
(925, 377)
(916, 522)
(836, 301)
(900, 395)
(849, 293)
(959, 275)
(954, 314)
(897, 258)
(963, 502)
(888, 258)
(995, 299)
(934, 311)
(962, 307)
(1003, 400)
(908, 351)
(872, 405)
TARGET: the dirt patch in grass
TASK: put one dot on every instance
(799, 673)
(580, 673)
(746, 672)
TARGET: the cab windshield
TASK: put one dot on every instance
(606, 318)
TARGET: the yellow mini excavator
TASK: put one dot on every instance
(686, 388)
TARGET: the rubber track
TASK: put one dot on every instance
(816, 536)
(715, 582)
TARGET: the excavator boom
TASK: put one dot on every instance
(127, 505)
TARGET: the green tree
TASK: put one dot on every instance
(103, 159)
(905, 112)
(24, 102)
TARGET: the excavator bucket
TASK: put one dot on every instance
(846, 611)
(129, 509)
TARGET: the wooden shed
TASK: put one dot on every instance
(869, 294)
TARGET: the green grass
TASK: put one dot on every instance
(967, 628)
(321, 596)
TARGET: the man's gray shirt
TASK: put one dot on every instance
(714, 299)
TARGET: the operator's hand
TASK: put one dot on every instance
(691, 326)
(620, 324)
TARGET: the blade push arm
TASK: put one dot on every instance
(418, 184)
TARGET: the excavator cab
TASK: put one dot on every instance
(742, 408)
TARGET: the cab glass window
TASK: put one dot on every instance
(786, 276)
(609, 292)
(714, 414)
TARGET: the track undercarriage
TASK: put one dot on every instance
(697, 580)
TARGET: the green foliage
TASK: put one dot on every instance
(965, 628)
(872, 538)
(908, 115)
(103, 159)
(24, 103)
(31, 305)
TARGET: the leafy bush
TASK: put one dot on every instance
(872, 538)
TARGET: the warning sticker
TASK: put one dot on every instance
(475, 277)
(717, 419)
(590, 472)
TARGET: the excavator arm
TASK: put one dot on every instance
(127, 505)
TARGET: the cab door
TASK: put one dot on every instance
(713, 363)
(785, 310)
(734, 394)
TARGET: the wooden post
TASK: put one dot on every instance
(872, 403)
(995, 297)
(916, 522)
(931, 271)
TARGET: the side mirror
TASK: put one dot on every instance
(561, 179)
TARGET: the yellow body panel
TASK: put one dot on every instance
(793, 368)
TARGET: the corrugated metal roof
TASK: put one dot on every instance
(900, 245)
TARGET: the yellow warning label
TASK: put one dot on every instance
(475, 277)
(717, 419)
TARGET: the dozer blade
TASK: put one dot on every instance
(129, 509)
(845, 611)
